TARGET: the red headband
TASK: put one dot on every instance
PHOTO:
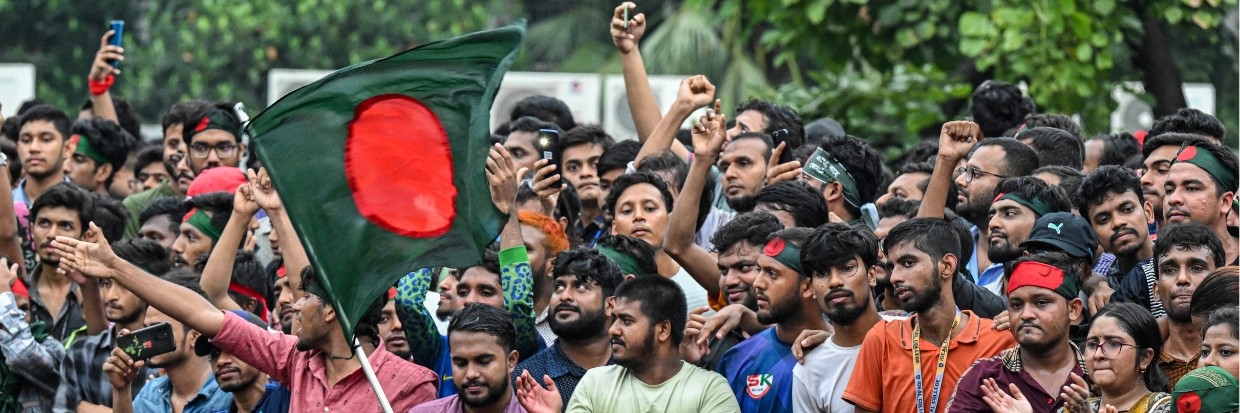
(249, 292)
(1037, 274)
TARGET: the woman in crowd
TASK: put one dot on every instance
(1121, 351)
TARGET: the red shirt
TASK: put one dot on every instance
(303, 372)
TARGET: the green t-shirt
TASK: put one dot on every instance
(613, 389)
(137, 202)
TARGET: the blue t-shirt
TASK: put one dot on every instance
(156, 397)
(759, 371)
(275, 400)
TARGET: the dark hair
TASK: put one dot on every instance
(819, 129)
(1217, 290)
(1117, 148)
(186, 278)
(532, 125)
(250, 273)
(1105, 182)
(545, 108)
(628, 180)
(482, 318)
(777, 118)
(189, 124)
(1018, 159)
(666, 160)
(1069, 178)
(490, 262)
(182, 112)
(586, 134)
(368, 323)
(9, 129)
(927, 167)
(1170, 139)
(1028, 187)
(807, 206)
(636, 248)
(218, 204)
(998, 106)
(1189, 235)
(110, 215)
(171, 206)
(108, 139)
(1229, 315)
(65, 195)
(151, 155)
(146, 254)
(1189, 120)
(660, 300)
(1070, 266)
(964, 234)
(898, 207)
(861, 162)
(589, 265)
(129, 120)
(1055, 147)
(752, 227)
(618, 156)
(48, 113)
(836, 243)
(761, 136)
(933, 236)
(1057, 121)
(1140, 324)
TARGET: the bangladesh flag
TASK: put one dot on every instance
(381, 164)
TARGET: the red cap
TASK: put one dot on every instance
(218, 179)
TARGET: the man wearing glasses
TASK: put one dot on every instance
(213, 137)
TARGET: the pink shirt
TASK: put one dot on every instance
(303, 372)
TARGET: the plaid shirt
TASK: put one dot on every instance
(82, 376)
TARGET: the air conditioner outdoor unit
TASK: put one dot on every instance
(16, 86)
(1134, 114)
(281, 82)
(618, 119)
(580, 91)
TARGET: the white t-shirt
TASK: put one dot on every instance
(695, 295)
(819, 384)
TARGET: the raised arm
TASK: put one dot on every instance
(708, 138)
(95, 258)
(218, 273)
(516, 276)
(10, 245)
(425, 342)
(102, 72)
(642, 104)
(295, 258)
(695, 92)
(956, 140)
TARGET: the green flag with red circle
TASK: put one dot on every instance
(380, 164)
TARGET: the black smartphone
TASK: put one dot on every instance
(148, 342)
(781, 136)
(548, 144)
(118, 29)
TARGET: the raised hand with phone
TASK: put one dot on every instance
(104, 69)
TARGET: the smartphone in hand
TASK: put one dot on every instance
(118, 31)
(148, 342)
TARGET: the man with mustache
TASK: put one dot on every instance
(250, 388)
(1183, 255)
(55, 298)
(1018, 203)
(484, 355)
(1201, 187)
(390, 329)
(843, 263)
(83, 385)
(1043, 294)
(585, 280)
(759, 369)
(580, 150)
(201, 227)
(1112, 201)
(887, 378)
(174, 152)
(1159, 152)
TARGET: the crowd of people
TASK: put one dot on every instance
(752, 262)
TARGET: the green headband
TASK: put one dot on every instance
(199, 219)
(823, 167)
(628, 265)
(785, 253)
(1206, 160)
(216, 119)
(84, 148)
(1038, 206)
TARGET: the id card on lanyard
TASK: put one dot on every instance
(938, 375)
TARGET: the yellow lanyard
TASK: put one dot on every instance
(938, 377)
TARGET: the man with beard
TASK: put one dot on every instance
(1018, 203)
(56, 299)
(392, 332)
(584, 281)
(985, 163)
(1111, 200)
(843, 263)
(580, 151)
(1183, 255)
(1043, 294)
(544, 238)
(251, 390)
(1160, 152)
(649, 374)
(484, 355)
(187, 385)
(161, 221)
(82, 385)
(759, 369)
(213, 137)
(886, 378)
(1201, 187)
(201, 227)
(174, 151)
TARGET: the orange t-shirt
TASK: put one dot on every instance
(883, 377)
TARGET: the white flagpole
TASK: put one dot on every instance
(370, 375)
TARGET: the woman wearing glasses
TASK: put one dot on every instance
(1121, 351)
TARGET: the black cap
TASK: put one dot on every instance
(1063, 231)
(203, 346)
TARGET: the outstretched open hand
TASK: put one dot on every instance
(534, 398)
(92, 257)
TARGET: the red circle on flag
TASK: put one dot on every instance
(1187, 154)
(398, 163)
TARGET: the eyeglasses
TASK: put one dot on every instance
(970, 172)
(1110, 349)
(202, 150)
